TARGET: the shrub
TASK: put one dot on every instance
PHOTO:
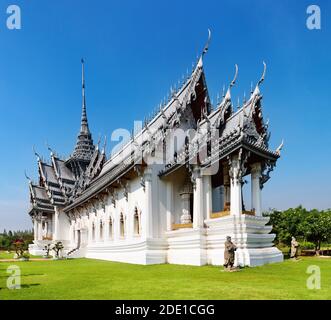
(306, 245)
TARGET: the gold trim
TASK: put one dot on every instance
(177, 226)
(221, 214)
(249, 213)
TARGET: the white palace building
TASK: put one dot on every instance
(172, 193)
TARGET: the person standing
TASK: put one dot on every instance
(294, 248)
(229, 251)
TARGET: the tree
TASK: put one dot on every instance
(19, 247)
(286, 224)
(316, 227)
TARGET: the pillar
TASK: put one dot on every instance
(235, 185)
(56, 226)
(169, 205)
(256, 189)
(90, 231)
(35, 228)
(147, 223)
(40, 230)
(106, 229)
(97, 229)
(198, 216)
(72, 230)
(208, 195)
(46, 229)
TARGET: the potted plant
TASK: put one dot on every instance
(57, 248)
(25, 257)
(47, 249)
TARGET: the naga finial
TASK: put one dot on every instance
(35, 153)
(27, 177)
(205, 49)
(263, 74)
(233, 82)
(49, 149)
(279, 149)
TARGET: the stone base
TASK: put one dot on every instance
(150, 251)
(251, 236)
(187, 246)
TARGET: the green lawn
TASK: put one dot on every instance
(5, 255)
(94, 279)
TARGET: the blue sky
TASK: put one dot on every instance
(134, 51)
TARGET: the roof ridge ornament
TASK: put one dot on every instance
(36, 154)
(206, 48)
(204, 51)
(279, 149)
(49, 149)
(27, 177)
(232, 83)
(257, 89)
(263, 74)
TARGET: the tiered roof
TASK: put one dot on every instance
(60, 180)
(72, 182)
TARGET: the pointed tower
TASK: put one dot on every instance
(84, 148)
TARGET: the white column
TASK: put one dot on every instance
(208, 195)
(256, 190)
(56, 225)
(97, 229)
(169, 205)
(90, 229)
(147, 217)
(35, 228)
(106, 229)
(235, 185)
(71, 232)
(40, 230)
(49, 228)
(117, 225)
(198, 214)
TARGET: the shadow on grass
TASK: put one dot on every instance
(24, 286)
(24, 275)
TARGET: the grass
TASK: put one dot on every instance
(6, 255)
(95, 279)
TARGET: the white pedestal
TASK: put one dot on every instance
(187, 246)
(251, 236)
(150, 251)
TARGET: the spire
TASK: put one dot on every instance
(84, 124)
(84, 147)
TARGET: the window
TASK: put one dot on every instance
(122, 231)
(136, 222)
(101, 230)
(110, 235)
(93, 232)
